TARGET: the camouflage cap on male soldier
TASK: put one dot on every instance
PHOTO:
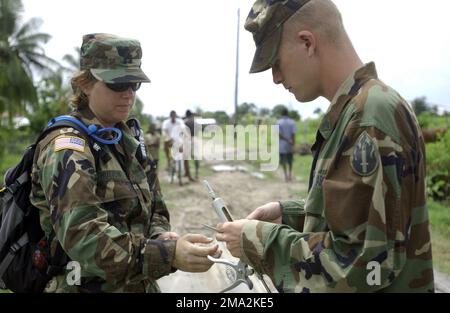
(265, 22)
(112, 59)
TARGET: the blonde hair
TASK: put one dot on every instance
(84, 78)
(322, 17)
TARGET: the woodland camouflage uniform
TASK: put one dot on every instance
(367, 195)
(104, 211)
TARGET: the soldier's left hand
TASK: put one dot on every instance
(230, 233)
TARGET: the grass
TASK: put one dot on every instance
(302, 166)
(440, 234)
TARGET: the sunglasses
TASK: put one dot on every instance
(120, 87)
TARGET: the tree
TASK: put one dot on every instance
(144, 119)
(420, 105)
(73, 61)
(264, 112)
(21, 52)
(294, 115)
(221, 117)
(277, 110)
(53, 100)
(245, 108)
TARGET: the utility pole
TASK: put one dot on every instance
(236, 81)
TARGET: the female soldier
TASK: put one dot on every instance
(107, 213)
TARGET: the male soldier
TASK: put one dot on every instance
(364, 224)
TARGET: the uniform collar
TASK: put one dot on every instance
(344, 94)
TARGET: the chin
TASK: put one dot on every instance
(122, 116)
(305, 98)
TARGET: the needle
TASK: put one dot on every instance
(211, 228)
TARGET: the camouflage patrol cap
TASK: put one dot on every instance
(265, 22)
(112, 59)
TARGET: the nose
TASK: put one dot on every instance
(128, 93)
(276, 74)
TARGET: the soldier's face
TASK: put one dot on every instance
(296, 66)
(109, 106)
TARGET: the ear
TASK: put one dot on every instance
(87, 89)
(308, 39)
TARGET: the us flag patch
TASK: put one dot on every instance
(69, 142)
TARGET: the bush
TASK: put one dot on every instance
(438, 168)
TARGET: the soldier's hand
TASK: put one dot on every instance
(230, 232)
(169, 235)
(190, 257)
(269, 212)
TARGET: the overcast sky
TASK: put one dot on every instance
(189, 47)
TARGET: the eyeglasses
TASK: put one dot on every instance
(120, 87)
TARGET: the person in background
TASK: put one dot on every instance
(194, 128)
(287, 130)
(152, 141)
(173, 122)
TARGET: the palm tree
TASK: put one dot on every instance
(73, 60)
(21, 52)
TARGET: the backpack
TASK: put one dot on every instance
(25, 261)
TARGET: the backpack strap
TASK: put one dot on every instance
(12, 188)
(87, 132)
(10, 256)
(58, 261)
(138, 134)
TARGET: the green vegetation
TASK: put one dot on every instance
(301, 169)
(21, 54)
(438, 168)
(13, 144)
(440, 233)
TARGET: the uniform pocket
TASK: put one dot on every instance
(114, 185)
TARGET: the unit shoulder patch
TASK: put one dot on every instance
(364, 159)
(69, 142)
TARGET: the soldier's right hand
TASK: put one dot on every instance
(269, 212)
(190, 257)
